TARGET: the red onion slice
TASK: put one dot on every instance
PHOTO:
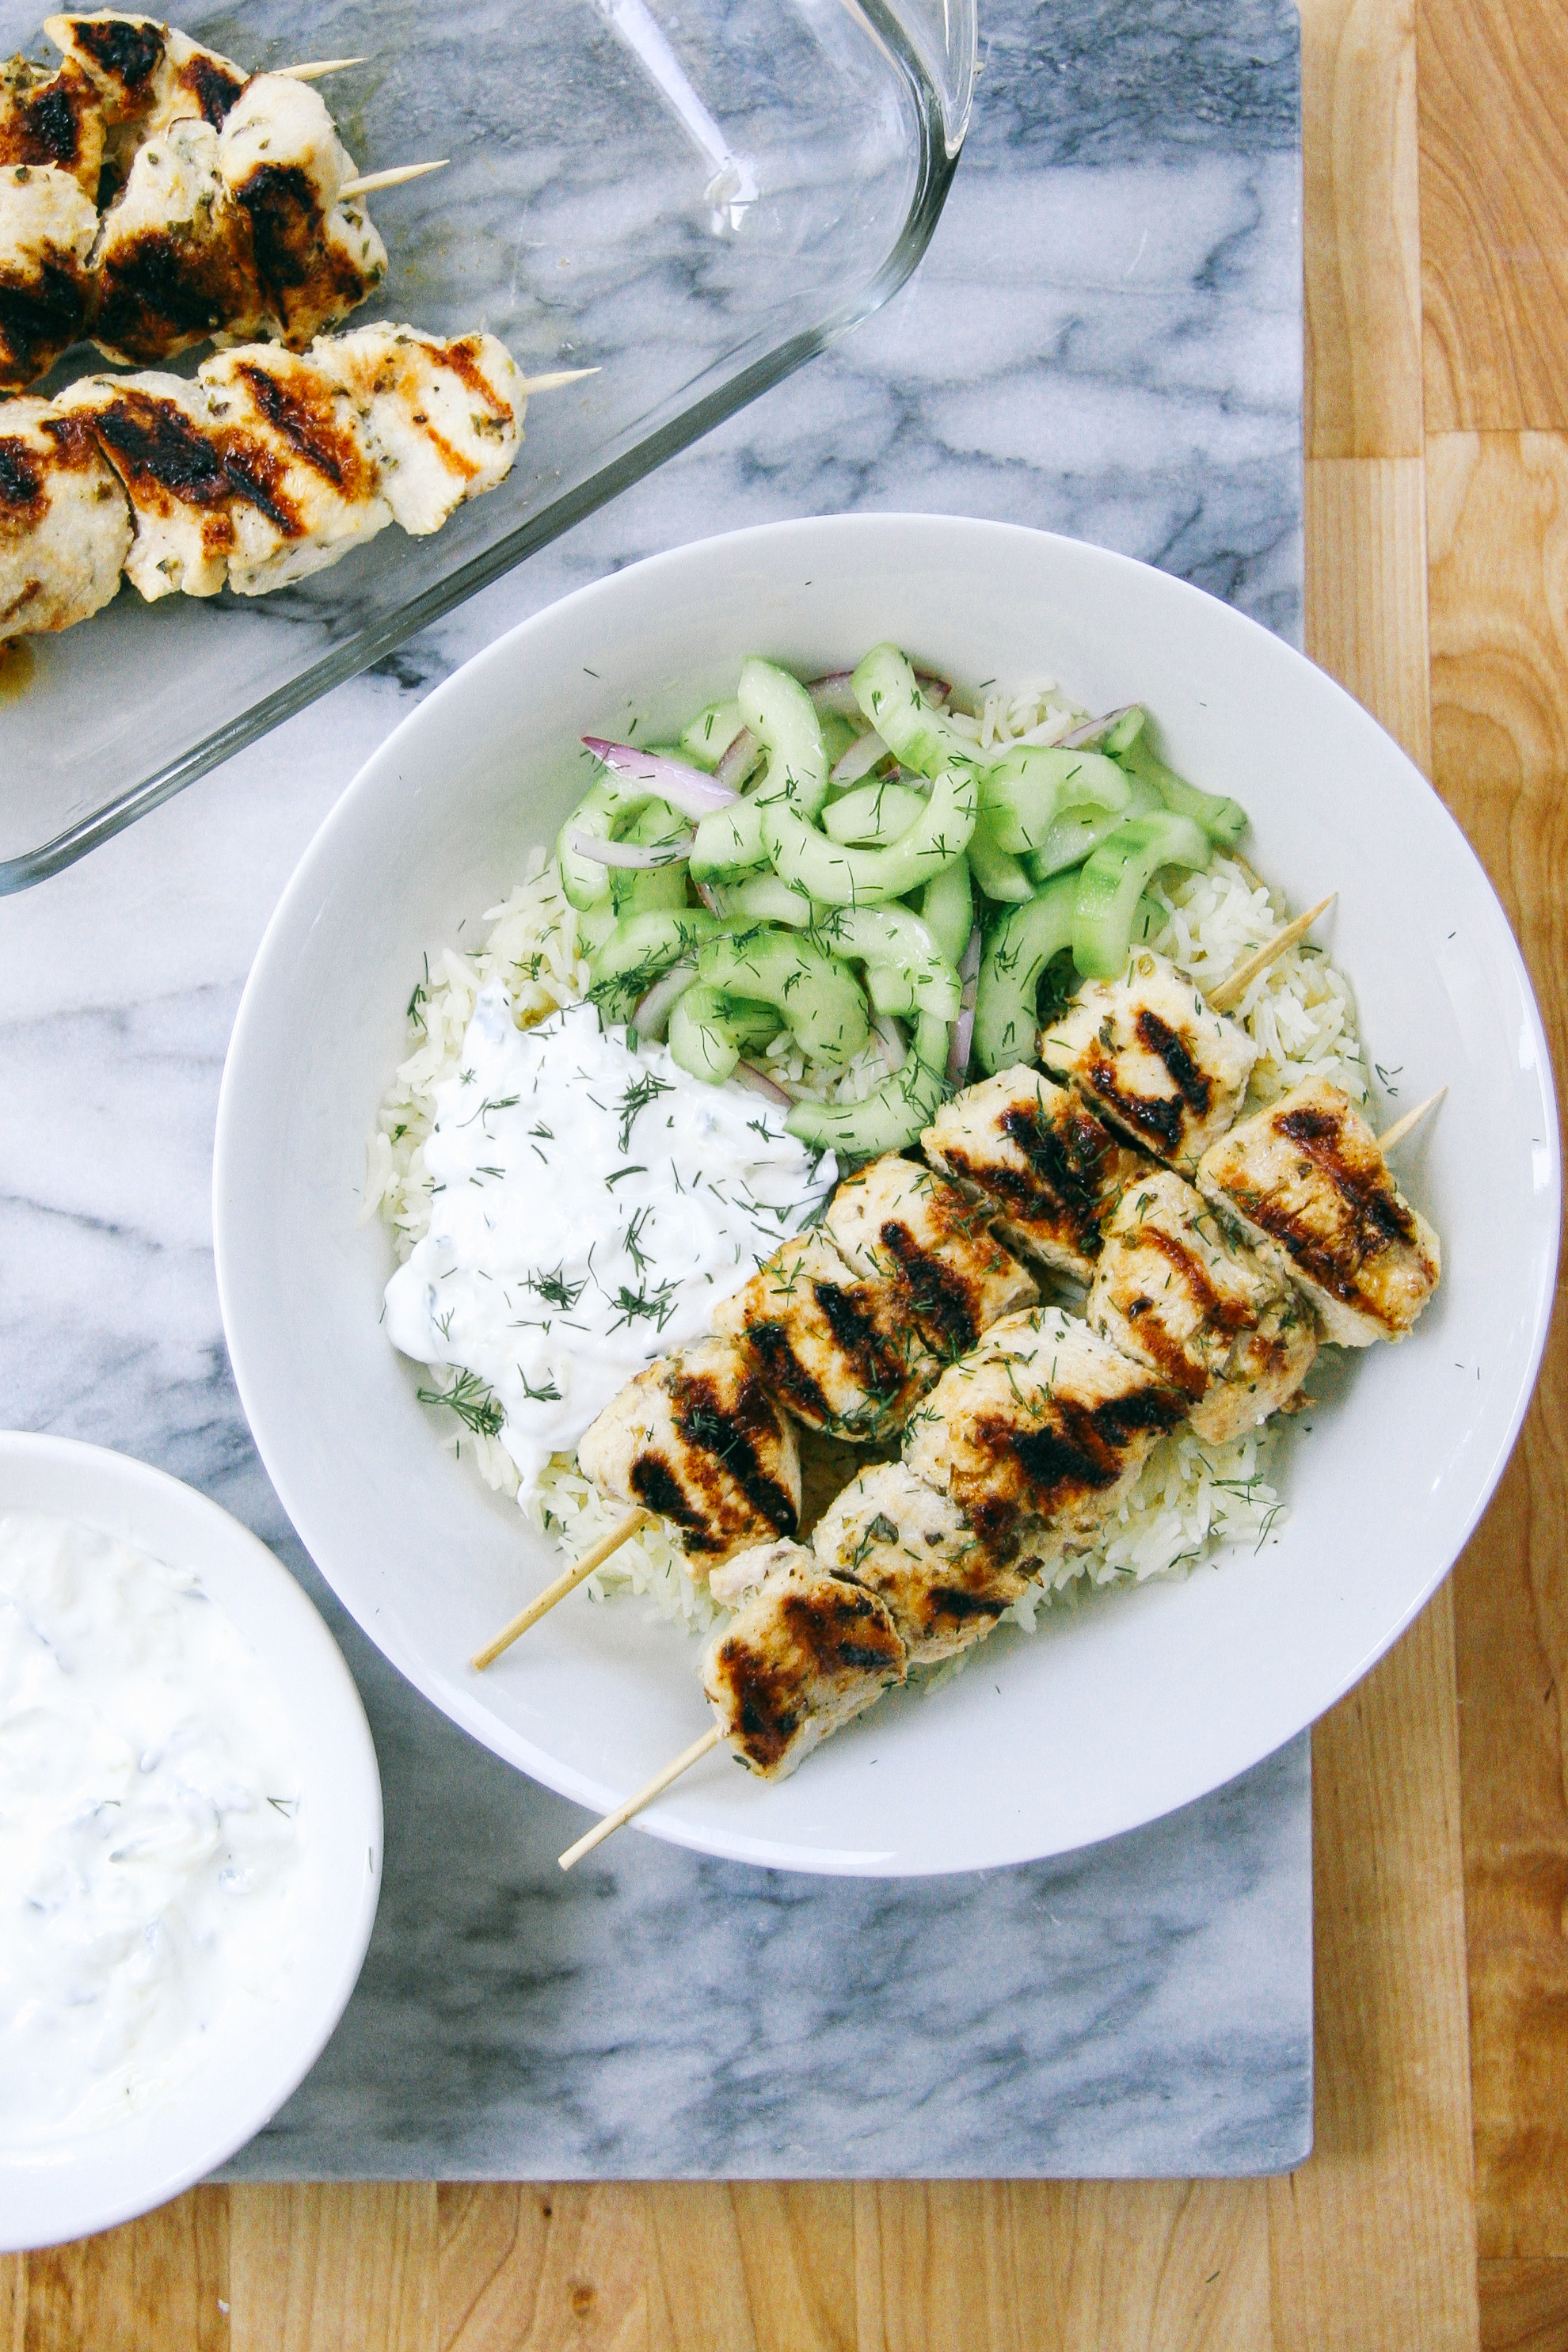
(687, 789)
(1094, 731)
(651, 1018)
(961, 1040)
(961, 1035)
(633, 852)
(757, 1082)
(860, 760)
(889, 1042)
(833, 697)
(738, 761)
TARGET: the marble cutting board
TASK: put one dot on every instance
(1105, 338)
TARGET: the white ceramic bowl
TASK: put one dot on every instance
(1122, 1710)
(108, 2176)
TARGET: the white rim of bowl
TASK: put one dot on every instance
(186, 1527)
(476, 1718)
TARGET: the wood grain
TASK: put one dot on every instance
(1494, 212)
(526, 2269)
(1366, 588)
(1386, 2205)
(1524, 2306)
(315, 2268)
(160, 2281)
(1362, 239)
(1499, 507)
(703, 2266)
(1053, 2266)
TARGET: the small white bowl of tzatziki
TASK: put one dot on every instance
(190, 1837)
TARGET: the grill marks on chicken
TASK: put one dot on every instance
(307, 487)
(47, 232)
(1306, 1180)
(913, 1547)
(1151, 1059)
(225, 213)
(832, 1346)
(119, 55)
(802, 1656)
(155, 432)
(282, 165)
(64, 531)
(1039, 1434)
(440, 416)
(1174, 1290)
(697, 1438)
(260, 471)
(897, 1222)
(53, 118)
(174, 263)
(1047, 1167)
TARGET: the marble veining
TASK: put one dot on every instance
(1104, 339)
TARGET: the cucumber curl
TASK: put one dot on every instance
(893, 1116)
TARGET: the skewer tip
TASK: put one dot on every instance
(316, 68)
(1411, 1120)
(366, 182)
(567, 1582)
(1230, 990)
(529, 384)
(645, 1796)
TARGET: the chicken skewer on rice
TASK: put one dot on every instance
(1307, 1182)
(844, 1329)
(1019, 1457)
(1040, 1163)
(1053, 1154)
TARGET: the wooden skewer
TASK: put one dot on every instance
(1402, 1127)
(622, 1532)
(1231, 989)
(711, 1737)
(393, 178)
(318, 68)
(623, 1813)
(533, 384)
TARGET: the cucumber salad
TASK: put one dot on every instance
(845, 861)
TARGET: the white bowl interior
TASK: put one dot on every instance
(94, 2181)
(1120, 1710)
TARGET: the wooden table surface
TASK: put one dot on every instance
(1433, 2215)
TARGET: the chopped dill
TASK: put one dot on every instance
(475, 1405)
(637, 1096)
(554, 1288)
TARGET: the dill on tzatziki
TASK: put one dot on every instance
(589, 1204)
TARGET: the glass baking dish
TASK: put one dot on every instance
(691, 196)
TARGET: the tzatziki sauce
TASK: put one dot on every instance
(150, 1829)
(592, 1206)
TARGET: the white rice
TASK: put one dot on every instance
(1191, 1501)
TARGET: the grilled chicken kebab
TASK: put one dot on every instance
(1215, 1257)
(227, 215)
(265, 467)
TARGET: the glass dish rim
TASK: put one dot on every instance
(941, 119)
